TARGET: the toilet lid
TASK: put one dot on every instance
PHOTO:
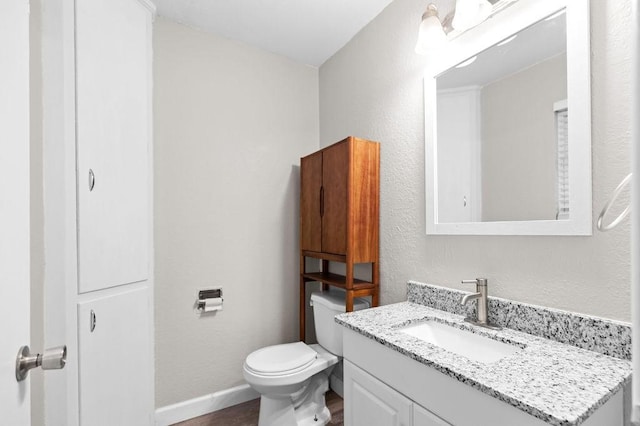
(281, 359)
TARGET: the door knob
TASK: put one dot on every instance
(51, 359)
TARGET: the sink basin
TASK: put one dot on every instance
(470, 345)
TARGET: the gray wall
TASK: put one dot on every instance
(372, 88)
(231, 123)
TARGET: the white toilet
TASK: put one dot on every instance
(292, 378)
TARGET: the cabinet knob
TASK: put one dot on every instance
(92, 180)
(92, 321)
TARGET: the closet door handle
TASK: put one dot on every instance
(321, 201)
(92, 180)
(92, 320)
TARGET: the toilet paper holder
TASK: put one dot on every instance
(203, 295)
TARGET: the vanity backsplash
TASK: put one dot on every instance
(608, 337)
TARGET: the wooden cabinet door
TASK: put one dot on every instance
(310, 202)
(368, 401)
(113, 142)
(335, 179)
(116, 360)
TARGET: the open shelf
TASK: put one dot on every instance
(325, 256)
(337, 280)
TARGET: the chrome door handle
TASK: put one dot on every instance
(51, 359)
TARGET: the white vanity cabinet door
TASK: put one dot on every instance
(116, 360)
(371, 402)
(113, 63)
(424, 417)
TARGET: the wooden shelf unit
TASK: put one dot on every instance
(339, 218)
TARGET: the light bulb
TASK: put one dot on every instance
(470, 13)
(431, 35)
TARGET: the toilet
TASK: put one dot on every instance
(292, 378)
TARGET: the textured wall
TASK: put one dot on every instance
(372, 88)
(231, 123)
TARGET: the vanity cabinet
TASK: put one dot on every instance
(374, 403)
(381, 382)
(339, 218)
(424, 417)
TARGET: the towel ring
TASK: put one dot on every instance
(605, 210)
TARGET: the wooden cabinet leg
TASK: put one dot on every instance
(303, 297)
(375, 298)
(325, 268)
(349, 286)
(303, 306)
(349, 301)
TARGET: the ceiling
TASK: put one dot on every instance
(307, 31)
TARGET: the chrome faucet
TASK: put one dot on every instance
(482, 309)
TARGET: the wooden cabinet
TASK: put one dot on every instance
(339, 218)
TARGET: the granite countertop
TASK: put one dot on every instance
(555, 382)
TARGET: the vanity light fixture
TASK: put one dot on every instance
(431, 35)
(467, 14)
(470, 13)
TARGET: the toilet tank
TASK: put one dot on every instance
(326, 305)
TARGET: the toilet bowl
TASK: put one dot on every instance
(292, 378)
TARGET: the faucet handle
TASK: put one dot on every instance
(480, 282)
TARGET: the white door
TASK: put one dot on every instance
(458, 162)
(14, 206)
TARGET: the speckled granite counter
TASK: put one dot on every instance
(558, 383)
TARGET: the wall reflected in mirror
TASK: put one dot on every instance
(502, 140)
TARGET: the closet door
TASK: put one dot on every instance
(113, 134)
(335, 177)
(115, 360)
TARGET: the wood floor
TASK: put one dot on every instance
(246, 414)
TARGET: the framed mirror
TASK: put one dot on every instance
(508, 125)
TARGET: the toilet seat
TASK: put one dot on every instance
(279, 360)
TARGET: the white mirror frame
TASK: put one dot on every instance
(513, 19)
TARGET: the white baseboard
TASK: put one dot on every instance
(206, 404)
